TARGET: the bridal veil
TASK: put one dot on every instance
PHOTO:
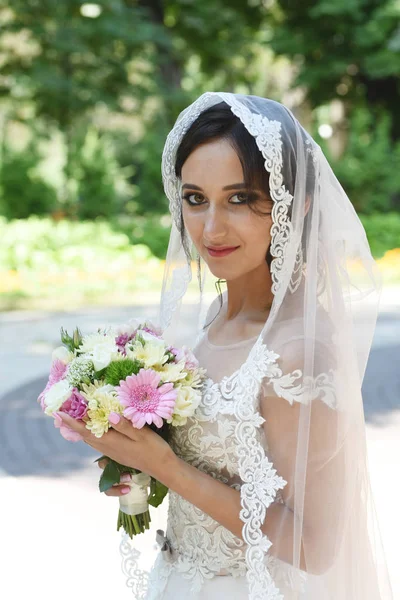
(299, 389)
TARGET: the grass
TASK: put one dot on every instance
(60, 288)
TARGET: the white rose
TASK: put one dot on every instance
(103, 354)
(57, 395)
(61, 353)
(187, 401)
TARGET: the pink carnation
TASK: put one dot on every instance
(144, 401)
(76, 405)
(58, 370)
(122, 340)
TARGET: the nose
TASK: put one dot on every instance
(215, 224)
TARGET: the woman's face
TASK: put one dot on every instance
(215, 216)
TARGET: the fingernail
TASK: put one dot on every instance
(114, 418)
(125, 478)
(125, 490)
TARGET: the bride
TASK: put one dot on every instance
(269, 490)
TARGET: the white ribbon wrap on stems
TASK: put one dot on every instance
(135, 502)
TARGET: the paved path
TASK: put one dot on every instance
(46, 479)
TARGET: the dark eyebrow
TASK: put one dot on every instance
(233, 186)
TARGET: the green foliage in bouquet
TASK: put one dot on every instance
(119, 370)
(112, 474)
(73, 342)
(158, 491)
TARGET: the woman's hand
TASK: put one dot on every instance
(141, 449)
(118, 489)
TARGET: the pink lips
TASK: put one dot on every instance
(222, 252)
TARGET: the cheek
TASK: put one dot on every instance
(192, 225)
(258, 231)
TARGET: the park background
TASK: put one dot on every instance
(88, 94)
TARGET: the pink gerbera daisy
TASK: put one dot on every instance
(144, 401)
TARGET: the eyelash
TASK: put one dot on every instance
(248, 196)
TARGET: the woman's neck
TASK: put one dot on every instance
(249, 297)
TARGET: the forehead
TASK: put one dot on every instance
(216, 159)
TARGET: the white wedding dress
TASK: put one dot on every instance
(207, 560)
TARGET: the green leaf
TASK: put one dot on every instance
(158, 491)
(110, 475)
(100, 374)
(101, 458)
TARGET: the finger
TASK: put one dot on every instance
(76, 425)
(80, 427)
(118, 490)
(124, 426)
(103, 463)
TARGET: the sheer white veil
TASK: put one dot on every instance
(299, 389)
(301, 382)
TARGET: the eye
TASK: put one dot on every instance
(187, 196)
(247, 197)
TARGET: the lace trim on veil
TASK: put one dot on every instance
(266, 133)
(260, 480)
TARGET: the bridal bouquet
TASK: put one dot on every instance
(131, 371)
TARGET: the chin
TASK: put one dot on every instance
(222, 273)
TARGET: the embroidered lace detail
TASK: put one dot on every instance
(311, 388)
(136, 578)
(298, 271)
(158, 578)
(267, 135)
(183, 123)
(285, 575)
(203, 548)
(224, 439)
(313, 149)
(260, 480)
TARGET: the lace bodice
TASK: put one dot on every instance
(201, 547)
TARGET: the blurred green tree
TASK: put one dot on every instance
(101, 184)
(60, 60)
(346, 49)
(368, 167)
(23, 191)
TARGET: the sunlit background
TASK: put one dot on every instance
(88, 93)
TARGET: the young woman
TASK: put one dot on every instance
(269, 495)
